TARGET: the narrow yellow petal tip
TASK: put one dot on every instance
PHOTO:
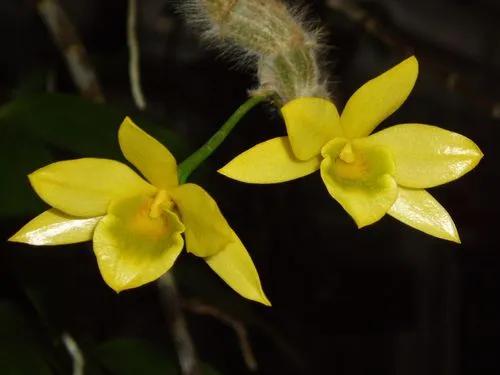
(412, 59)
(361, 224)
(235, 266)
(127, 119)
(418, 209)
(453, 235)
(265, 301)
(262, 299)
(15, 238)
(480, 154)
(127, 122)
(119, 288)
(412, 63)
(19, 237)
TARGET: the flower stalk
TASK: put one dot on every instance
(189, 165)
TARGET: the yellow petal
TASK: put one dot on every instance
(378, 99)
(56, 228)
(363, 186)
(418, 209)
(425, 155)
(310, 123)
(133, 248)
(268, 163)
(149, 156)
(207, 231)
(85, 187)
(234, 265)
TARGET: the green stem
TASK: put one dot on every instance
(189, 165)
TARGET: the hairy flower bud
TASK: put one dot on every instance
(275, 37)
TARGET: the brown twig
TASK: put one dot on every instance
(447, 67)
(239, 328)
(134, 58)
(67, 40)
(186, 351)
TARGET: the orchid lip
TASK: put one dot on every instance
(160, 200)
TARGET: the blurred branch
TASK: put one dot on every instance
(134, 61)
(451, 69)
(75, 353)
(67, 40)
(370, 24)
(183, 342)
(239, 328)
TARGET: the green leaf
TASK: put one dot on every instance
(133, 356)
(77, 125)
(209, 370)
(20, 155)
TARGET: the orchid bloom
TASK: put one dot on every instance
(368, 174)
(137, 226)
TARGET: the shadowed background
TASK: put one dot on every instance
(386, 299)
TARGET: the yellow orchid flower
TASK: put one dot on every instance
(137, 226)
(369, 175)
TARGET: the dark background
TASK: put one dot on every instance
(383, 300)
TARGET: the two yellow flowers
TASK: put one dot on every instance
(136, 225)
(369, 175)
